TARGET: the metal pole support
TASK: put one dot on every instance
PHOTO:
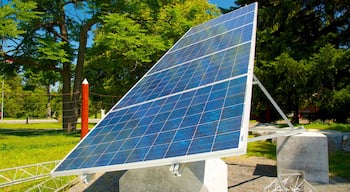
(84, 109)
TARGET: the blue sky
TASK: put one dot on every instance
(223, 3)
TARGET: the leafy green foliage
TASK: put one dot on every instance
(14, 16)
(52, 51)
(33, 103)
(302, 56)
(287, 78)
(330, 82)
(123, 35)
(175, 18)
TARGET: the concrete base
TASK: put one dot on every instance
(346, 142)
(203, 176)
(307, 152)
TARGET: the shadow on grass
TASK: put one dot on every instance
(37, 132)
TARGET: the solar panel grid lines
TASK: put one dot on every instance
(191, 106)
(223, 18)
(218, 31)
(141, 94)
(204, 48)
(97, 140)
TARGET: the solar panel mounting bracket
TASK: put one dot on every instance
(87, 177)
(175, 169)
(273, 102)
(282, 131)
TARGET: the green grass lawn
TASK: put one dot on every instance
(339, 164)
(34, 146)
(325, 126)
(262, 149)
(22, 144)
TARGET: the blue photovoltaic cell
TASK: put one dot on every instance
(213, 68)
(234, 25)
(192, 103)
(205, 47)
(223, 18)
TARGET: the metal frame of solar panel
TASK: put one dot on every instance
(192, 105)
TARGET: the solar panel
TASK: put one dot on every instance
(192, 105)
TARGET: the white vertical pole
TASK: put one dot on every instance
(2, 101)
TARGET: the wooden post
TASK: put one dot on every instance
(84, 109)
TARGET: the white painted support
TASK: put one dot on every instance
(26, 173)
(36, 172)
(279, 133)
(257, 82)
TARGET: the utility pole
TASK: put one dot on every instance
(2, 90)
(84, 109)
(2, 101)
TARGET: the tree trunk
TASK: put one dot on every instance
(67, 107)
(295, 118)
(79, 69)
(48, 105)
(68, 116)
(79, 75)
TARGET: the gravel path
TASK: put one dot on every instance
(255, 173)
(250, 174)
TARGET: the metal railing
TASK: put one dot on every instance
(35, 172)
(26, 173)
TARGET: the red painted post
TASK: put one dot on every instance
(84, 109)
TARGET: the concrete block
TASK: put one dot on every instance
(307, 152)
(202, 176)
(346, 142)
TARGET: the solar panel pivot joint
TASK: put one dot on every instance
(175, 169)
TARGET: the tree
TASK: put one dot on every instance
(128, 44)
(330, 79)
(59, 38)
(49, 43)
(299, 30)
(41, 79)
(288, 82)
(13, 102)
(34, 103)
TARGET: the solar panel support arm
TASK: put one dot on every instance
(87, 177)
(263, 89)
(175, 169)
